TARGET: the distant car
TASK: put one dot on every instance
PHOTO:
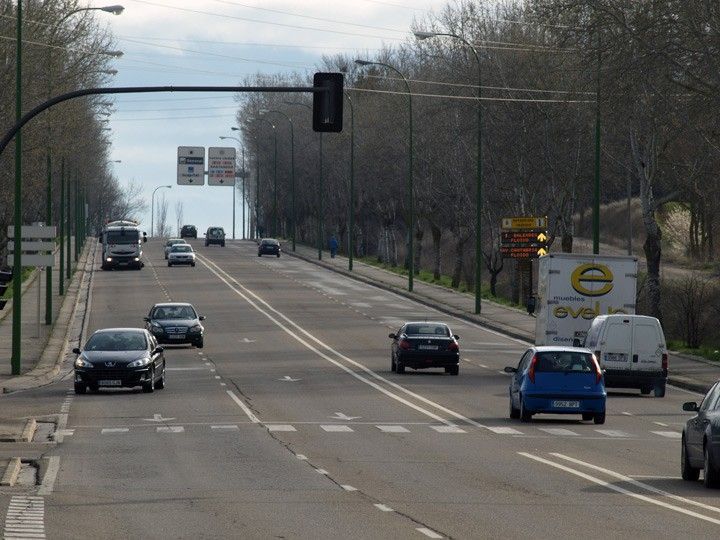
(700, 447)
(188, 231)
(215, 235)
(120, 357)
(170, 243)
(557, 380)
(181, 254)
(268, 246)
(421, 345)
(176, 323)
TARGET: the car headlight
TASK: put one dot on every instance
(196, 328)
(80, 362)
(140, 362)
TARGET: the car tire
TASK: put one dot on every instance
(525, 415)
(222, 244)
(259, 254)
(399, 368)
(455, 370)
(278, 255)
(687, 471)
(392, 364)
(94, 388)
(192, 264)
(599, 418)
(149, 386)
(160, 384)
(514, 411)
(587, 416)
(645, 390)
(80, 388)
(711, 475)
(659, 389)
(207, 244)
(200, 344)
(169, 264)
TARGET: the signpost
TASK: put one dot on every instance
(221, 166)
(191, 166)
(523, 239)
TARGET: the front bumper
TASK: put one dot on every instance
(543, 403)
(128, 377)
(180, 339)
(427, 359)
(117, 261)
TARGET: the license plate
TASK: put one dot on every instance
(616, 357)
(428, 347)
(566, 404)
(113, 382)
(177, 336)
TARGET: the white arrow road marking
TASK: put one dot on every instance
(343, 416)
(157, 418)
(288, 378)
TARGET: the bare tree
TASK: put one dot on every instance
(161, 216)
(179, 217)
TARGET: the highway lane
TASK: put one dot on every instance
(437, 450)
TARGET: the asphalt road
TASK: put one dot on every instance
(289, 424)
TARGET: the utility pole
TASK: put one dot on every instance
(17, 262)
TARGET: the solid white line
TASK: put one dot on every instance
(642, 485)
(660, 424)
(618, 489)
(254, 419)
(668, 434)
(626, 413)
(280, 427)
(48, 483)
(105, 431)
(428, 532)
(231, 427)
(348, 488)
(383, 508)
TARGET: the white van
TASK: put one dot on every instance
(632, 351)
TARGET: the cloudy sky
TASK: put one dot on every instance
(219, 42)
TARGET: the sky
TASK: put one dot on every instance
(220, 42)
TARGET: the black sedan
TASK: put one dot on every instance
(420, 345)
(120, 357)
(188, 231)
(176, 323)
(268, 246)
(701, 440)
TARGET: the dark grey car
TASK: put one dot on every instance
(701, 440)
(176, 323)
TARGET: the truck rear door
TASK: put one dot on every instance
(617, 347)
(647, 346)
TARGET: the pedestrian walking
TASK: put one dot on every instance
(333, 246)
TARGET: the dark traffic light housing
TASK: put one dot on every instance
(328, 105)
(5, 279)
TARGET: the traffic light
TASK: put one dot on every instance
(328, 106)
(5, 279)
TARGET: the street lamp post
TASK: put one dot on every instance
(411, 198)
(222, 138)
(351, 224)
(275, 194)
(479, 181)
(292, 173)
(152, 209)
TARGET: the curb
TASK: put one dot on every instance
(688, 384)
(11, 472)
(422, 299)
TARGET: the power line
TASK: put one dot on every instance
(472, 98)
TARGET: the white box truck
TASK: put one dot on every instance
(574, 289)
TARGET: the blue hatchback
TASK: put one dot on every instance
(557, 380)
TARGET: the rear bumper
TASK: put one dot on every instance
(543, 403)
(180, 261)
(421, 359)
(633, 379)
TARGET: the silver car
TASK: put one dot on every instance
(181, 254)
(171, 242)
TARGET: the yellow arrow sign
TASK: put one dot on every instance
(541, 237)
(542, 251)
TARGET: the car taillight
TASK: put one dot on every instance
(598, 371)
(454, 347)
(664, 361)
(531, 371)
(405, 345)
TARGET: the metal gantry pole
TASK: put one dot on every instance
(244, 200)
(257, 186)
(351, 217)
(292, 173)
(61, 232)
(596, 190)
(68, 259)
(320, 203)
(233, 205)
(48, 217)
(275, 187)
(17, 262)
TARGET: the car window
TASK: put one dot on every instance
(116, 341)
(711, 401)
(427, 329)
(173, 312)
(524, 361)
(181, 248)
(592, 337)
(564, 361)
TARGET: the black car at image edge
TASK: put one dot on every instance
(700, 444)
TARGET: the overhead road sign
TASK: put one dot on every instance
(515, 223)
(221, 166)
(35, 245)
(191, 166)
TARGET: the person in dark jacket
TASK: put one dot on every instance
(333, 246)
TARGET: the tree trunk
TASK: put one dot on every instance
(459, 259)
(419, 234)
(436, 237)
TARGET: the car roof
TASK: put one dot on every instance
(425, 322)
(104, 330)
(560, 348)
(173, 304)
(626, 316)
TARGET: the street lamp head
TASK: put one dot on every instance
(233, 128)
(169, 186)
(114, 54)
(363, 62)
(424, 35)
(115, 10)
(109, 71)
(223, 138)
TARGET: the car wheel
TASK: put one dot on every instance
(399, 368)
(392, 363)
(278, 255)
(599, 418)
(660, 389)
(454, 370)
(711, 475)
(514, 412)
(80, 388)
(645, 390)
(207, 244)
(94, 388)
(200, 344)
(587, 416)
(169, 264)
(525, 415)
(687, 471)
(160, 384)
(149, 386)
(222, 244)
(192, 264)
(259, 254)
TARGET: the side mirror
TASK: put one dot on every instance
(201, 317)
(158, 350)
(690, 406)
(391, 336)
(76, 350)
(456, 336)
(146, 319)
(531, 305)
(510, 369)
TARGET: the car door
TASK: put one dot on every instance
(696, 425)
(648, 346)
(517, 378)
(615, 345)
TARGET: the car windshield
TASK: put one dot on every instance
(122, 237)
(182, 248)
(427, 329)
(270, 242)
(173, 312)
(216, 231)
(117, 341)
(564, 361)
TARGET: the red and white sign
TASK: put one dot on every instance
(221, 166)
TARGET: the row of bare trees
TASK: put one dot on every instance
(548, 67)
(62, 50)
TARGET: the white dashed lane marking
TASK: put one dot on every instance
(668, 434)
(333, 428)
(448, 429)
(383, 508)
(504, 430)
(280, 427)
(559, 432)
(107, 431)
(170, 429)
(428, 532)
(393, 429)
